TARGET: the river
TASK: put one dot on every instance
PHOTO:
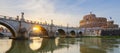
(60, 45)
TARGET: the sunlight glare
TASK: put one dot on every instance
(37, 29)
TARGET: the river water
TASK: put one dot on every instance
(60, 45)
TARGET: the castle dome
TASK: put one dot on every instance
(89, 16)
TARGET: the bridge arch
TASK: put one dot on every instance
(72, 32)
(44, 31)
(41, 30)
(12, 30)
(61, 32)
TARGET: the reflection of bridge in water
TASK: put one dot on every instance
(24, 28)
(41, 45)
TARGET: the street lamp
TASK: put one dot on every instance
(67, 28)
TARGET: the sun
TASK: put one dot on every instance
(36, 28)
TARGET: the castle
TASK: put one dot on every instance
(91, 21)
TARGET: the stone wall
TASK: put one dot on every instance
(110, 32)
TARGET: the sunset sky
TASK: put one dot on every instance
(63, 12)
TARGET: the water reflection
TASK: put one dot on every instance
(61, 45)
(91, 45)
(57, 41)
(36, 43)
(98, 45)
(5, 44)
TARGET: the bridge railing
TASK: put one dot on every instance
(18, 19)
(29, 21)
(7, 17)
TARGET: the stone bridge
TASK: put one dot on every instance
(25, 28)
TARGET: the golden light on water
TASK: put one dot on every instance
(36, 44)
(57, 41)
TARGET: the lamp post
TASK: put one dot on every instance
(67, 29)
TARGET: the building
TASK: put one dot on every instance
(91, 21)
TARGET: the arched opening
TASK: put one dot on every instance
(80, 33)
(38, 31)
(61, 32)
(9, 27)
(72, 32)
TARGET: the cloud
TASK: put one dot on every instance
(63, 12)
(43, 10)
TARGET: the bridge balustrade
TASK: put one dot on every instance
(17, 19)
(7, 17)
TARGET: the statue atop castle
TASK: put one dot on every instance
(22, 16)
